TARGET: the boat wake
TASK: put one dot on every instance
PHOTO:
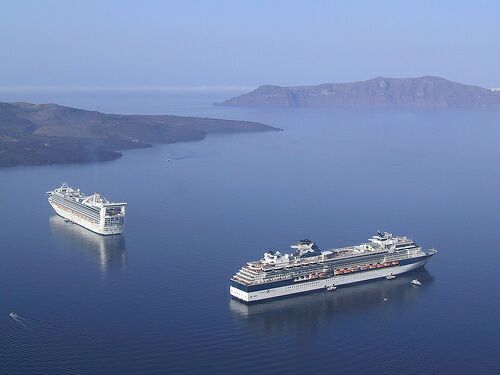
(34, 346)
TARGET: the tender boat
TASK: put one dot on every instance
(416, 282)
(391, 276)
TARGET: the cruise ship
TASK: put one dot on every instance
(93, 212)
(310, 269)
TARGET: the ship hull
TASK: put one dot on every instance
(322, 284)
(68, 214)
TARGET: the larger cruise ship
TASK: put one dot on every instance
(93, 212)
(309, 269)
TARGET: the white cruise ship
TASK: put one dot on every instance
(310, 269)
(93, 212)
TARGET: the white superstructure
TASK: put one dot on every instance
(309, 269)
(93, 212)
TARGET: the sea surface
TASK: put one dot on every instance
(155, 300)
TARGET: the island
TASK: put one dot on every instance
(37, 134)
(422, 92)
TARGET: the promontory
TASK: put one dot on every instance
(36, 134)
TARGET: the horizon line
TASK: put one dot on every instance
(198, 88)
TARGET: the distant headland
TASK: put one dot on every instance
(423, 92)
(37, 134)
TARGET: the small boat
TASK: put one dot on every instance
(331, 287)
(416, 282)
(390, 277)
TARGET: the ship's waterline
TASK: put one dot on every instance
(310, 269)
(92, 212)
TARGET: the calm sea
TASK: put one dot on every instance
(155, 300)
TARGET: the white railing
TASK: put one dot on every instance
(390, 257)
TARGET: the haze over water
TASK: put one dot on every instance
(156, 300)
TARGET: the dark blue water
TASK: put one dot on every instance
(155, 300)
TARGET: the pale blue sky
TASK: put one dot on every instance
(233, 43)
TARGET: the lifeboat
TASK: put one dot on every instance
(380, 265)
(322, 274)
(395, 263)
(387, 264)
(371, 266)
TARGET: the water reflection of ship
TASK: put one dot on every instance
(304, 313)
(110, 250)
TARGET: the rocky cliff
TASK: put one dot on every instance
(423, 92)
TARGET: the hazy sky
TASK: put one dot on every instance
(236, 43)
